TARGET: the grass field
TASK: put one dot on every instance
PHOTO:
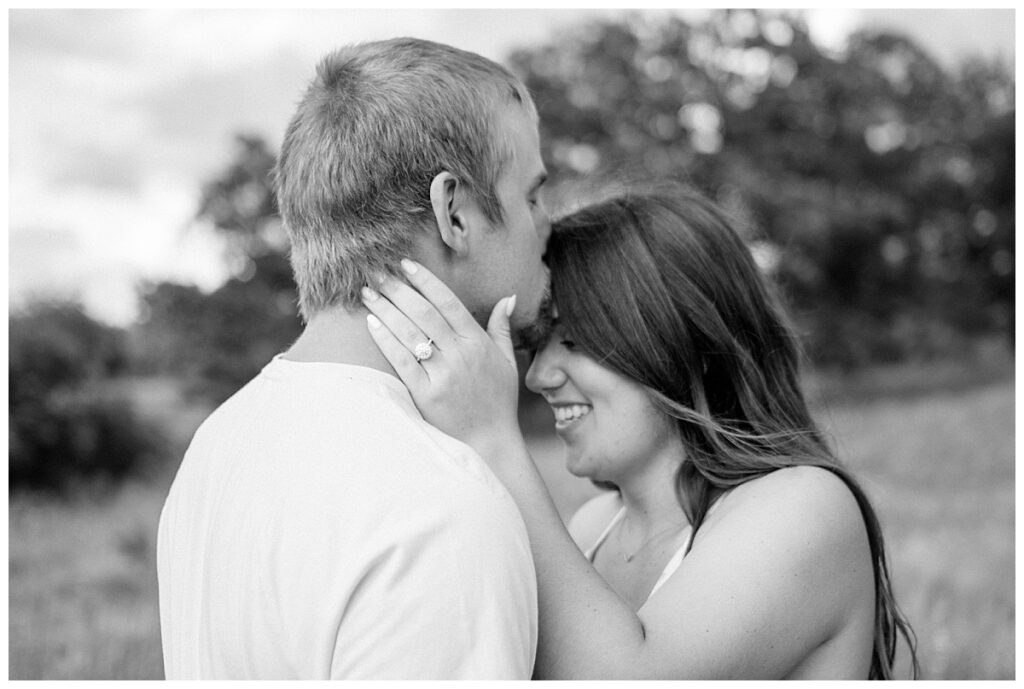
(938, 463)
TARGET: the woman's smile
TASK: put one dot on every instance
(569, 416)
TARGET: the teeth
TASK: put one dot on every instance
(571, 412)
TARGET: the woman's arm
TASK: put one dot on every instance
(586, 629)
(766, 582)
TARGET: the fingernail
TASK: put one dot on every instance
(408, 266)
(373, 321)
(369, 294)
(510, 306)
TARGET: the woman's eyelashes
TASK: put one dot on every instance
(568, 344)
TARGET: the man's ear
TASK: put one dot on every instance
(447, 200)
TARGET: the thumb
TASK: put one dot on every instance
(499, 327)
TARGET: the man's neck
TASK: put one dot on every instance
(339, 336)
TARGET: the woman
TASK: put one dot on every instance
(732, 543)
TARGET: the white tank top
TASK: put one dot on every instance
(670, 567)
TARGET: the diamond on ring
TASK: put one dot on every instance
(424, 350)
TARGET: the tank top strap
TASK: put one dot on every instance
(589, 554)
(677, 558)
(673, 564)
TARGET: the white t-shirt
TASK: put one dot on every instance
(319, 528)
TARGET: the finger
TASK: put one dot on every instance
(419, 311)
(401, 359)
(499, 327)
(404, 330)
(443, 299)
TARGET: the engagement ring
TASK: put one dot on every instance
(424, 350)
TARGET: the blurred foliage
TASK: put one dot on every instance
(65, 427)
(874, 186)
(218, 341)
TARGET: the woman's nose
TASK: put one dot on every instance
(544, 373)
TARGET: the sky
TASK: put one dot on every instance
(116, 117)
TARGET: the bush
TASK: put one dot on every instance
(69, 441)
(56, 345)
(215, 343)
(64, 430)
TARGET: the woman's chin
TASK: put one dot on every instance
(579, 468)
(578, 473)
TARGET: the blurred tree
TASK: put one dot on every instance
(64, 425)
(873, 186)
(218, 341)
(240, 205)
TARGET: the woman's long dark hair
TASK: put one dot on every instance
(656, 280)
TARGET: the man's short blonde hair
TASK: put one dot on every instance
(379, 121)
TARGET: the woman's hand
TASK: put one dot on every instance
(467, 385)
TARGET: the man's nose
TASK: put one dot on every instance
(544, 231)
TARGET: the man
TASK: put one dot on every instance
(318, 527)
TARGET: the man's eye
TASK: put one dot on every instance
(568, 344)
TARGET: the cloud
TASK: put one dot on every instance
(99, 245)
(44, 260)
(197, 110)
(90, 34)
(951, 35)
(86, 164)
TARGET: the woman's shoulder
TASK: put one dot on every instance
(811, 503)
(593, 517)
(780, 566)
(798, 537)
(810, 487)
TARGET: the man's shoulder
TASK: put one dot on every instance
(327, 411)
(348, 439)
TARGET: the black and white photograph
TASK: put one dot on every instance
(511, 344)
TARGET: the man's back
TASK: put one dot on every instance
(319, 528)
